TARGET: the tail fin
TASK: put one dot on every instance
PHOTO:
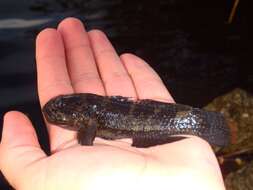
(217, 131)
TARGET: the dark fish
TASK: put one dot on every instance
(147, 122)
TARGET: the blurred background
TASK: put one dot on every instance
(201, 49)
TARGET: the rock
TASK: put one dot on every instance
(237, 107)
(236, 160)
(241, 179)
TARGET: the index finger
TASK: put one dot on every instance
(53, 78)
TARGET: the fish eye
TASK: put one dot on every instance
(59, 103)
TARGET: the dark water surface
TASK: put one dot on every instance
(189, 44)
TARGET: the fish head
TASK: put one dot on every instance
(67, 111)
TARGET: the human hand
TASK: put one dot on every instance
(71, 60)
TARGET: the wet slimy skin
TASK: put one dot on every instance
(147, 122)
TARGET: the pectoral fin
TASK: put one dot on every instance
(86, 134)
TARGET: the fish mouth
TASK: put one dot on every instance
(48, 113)
(52, 118)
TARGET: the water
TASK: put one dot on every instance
(189, 44)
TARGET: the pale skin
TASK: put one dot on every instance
(72, 60)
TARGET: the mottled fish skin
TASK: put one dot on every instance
(147, 122)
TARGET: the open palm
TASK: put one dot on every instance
(71, 60)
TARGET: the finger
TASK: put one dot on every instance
(53, 78)
(114, 76)
(147, 83)
(80, 60)
(19, 148)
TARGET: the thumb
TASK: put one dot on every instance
(19, 148)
